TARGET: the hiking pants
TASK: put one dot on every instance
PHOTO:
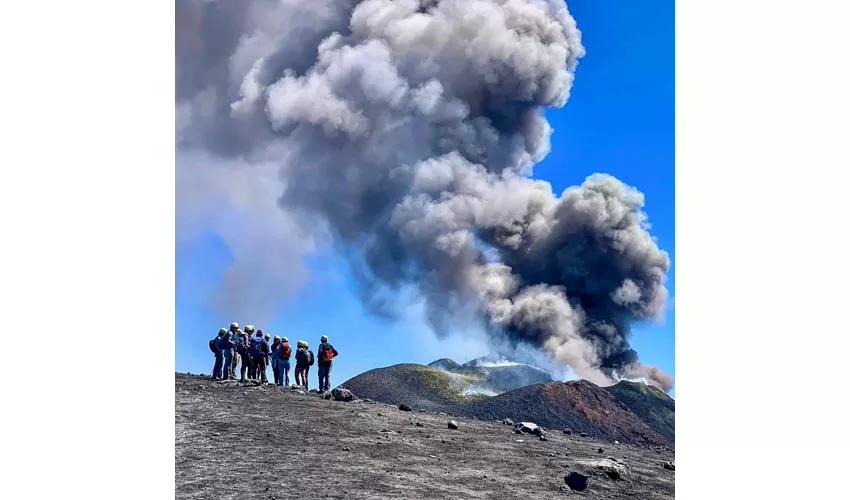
(275, 372)
(219, 361)
(301, 375)
(282, 373)
(246, 366)
(233, 362)
(226, 366)
(324, 377)
(259, 363)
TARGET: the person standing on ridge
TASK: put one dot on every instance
(226, 343)
(259, 355)
(282, 356)
(326, 355)
(267, 339)
(242, 346)
(274, 357)
(253, 349)
(303, 360)
(215, 346)
(231, 338)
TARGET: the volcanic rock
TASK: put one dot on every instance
(576, 481)
(508, 421)
(343, 394)
(528, 428)
(452, 424)
(670, 465)
(404, 407)
(610, 467)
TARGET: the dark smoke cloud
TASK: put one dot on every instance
(408, 128)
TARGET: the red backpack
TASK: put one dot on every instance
(285, 351)
(327, 353)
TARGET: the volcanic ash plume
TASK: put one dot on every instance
(408, 130)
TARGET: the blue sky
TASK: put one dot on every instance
(619, 120)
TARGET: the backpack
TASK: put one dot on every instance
(326, 354)
(284, 352)
(255, 346)
(214, 346)
(240, 345)
(312, 358)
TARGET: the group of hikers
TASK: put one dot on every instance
(254, 352)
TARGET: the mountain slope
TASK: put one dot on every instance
(236, 440)
(445, 386)
(412, 384)
(649, 403)
(578, 405)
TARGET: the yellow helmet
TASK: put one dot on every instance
(267, 336)
(324, 338)
(239, 332)
(222, 331)
(277, 337)
(284, 339)
(234, 325)
(249, 328)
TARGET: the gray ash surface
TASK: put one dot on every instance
(236, 441)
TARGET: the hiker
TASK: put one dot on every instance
(303, 361)
(327, 353)
(282, 357)
(231, 337)
(215, 347)
(259, 354)
(273, 357)
(244, 357)
(225, 342)
(268, 359)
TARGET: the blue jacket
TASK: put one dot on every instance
(274, 348)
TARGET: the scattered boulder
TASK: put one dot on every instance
(544, 438)
(343, 394)
(325, 395)
(528, 428)
(610, 467)
(576, 481)
(404, 407)
(601, 450)
(508, 421)
(583, 434)
(452, 424)
(314, 391)
(568, 431)
(616, 442)
(670, 465)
